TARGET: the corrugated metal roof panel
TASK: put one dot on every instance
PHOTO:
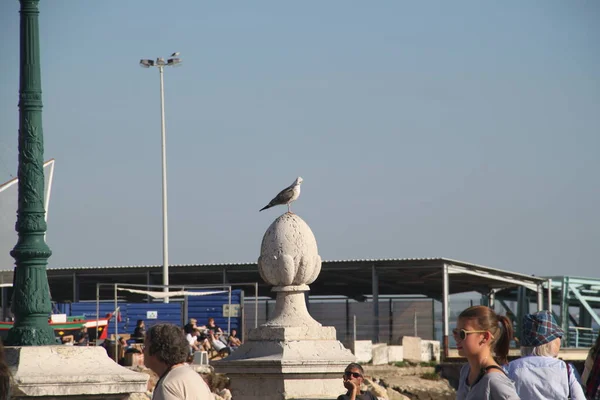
(234, 264)
(365, 260)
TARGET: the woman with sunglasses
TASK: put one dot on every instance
(353, 379)
(480, 334)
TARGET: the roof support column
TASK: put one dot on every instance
(75, 288)
(391, 322)
(540, 297)
(564, 309)
(347, 336)
(550, 294)
(445, 308)
(225, 279)
(492, 299)
(522, 309)
(266, 309)
(148, 283)
(375, 284)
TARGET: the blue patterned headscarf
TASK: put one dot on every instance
(540, 328)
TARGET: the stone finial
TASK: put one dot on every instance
(289, 261)
(288, 254)
(291, 356)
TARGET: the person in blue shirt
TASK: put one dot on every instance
(538, 374)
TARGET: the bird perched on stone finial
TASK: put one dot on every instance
(286, 196)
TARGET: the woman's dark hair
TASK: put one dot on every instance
(188, 329)
(487, 320)
(168, 343)
(5, 375)
(139, 322)
(357, 366)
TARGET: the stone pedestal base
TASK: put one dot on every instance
(69, 372)
(280, 363)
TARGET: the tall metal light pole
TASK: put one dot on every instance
(31, 297)
(161, 64)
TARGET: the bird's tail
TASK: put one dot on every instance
(265, 207)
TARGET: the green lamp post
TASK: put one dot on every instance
(31, 295)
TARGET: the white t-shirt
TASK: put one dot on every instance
(182, 383)
(191, 339)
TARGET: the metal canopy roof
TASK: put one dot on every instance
(352, 278)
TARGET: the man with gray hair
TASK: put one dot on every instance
(539, 374)
(165, 351)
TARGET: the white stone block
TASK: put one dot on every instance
(363, 350)
(395, 353)
(60, 371)
(380, 354)
(430, 350)
(412, 348)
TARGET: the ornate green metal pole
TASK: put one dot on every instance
(31, 295)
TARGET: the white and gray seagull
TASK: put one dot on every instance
(286, 196)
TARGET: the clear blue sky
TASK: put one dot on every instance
(460, 129)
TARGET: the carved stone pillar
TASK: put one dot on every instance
(291, 355)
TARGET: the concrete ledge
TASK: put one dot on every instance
(288, 357)
(61, 371)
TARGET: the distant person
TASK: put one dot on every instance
(165, 353)
(192, 323)
(233, 341)
(82, 338)
(591, 372)
(5, 376)
(213, 327)
(353, 379)
(222, 349)
(68, 340)
(139, 332)
(538, 374)
(479, 332)
(202, 339)
(122, 348)
(191, 335)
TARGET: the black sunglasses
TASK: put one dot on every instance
(353, 374)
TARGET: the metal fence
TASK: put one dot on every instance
(580, 337)
(397, 317)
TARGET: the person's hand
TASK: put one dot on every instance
(351, 386)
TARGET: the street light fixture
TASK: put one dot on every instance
(160, 63)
